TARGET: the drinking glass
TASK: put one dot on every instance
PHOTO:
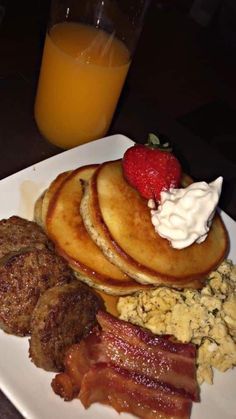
(88, 49)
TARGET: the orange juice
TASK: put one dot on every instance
(82, 74)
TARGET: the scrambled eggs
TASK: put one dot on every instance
(205, 317)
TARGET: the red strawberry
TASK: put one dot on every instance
(151, 168)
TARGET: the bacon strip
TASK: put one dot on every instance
(130, 393)
(138, 336)
(157, 357)
(77, 362)
(132, 370)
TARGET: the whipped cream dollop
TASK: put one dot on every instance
(184, 216)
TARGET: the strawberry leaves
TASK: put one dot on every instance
(155, 143)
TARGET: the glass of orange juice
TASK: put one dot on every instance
(87, 53)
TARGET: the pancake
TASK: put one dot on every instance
(42, 203)
(38, 210)
(64, 226)
(119, 221)
(50, 192)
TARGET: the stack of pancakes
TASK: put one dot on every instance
(102, 227)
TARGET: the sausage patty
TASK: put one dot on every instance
(16, 234)
(62, 316)
(23, 278)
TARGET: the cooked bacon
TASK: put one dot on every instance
(127, 392)
(132, 370)
(63, 385)
(138, 336)
(77, 362)
(157, 357)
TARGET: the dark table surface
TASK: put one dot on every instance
(136, 116)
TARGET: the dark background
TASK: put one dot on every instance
(183, 75)
(185, 63)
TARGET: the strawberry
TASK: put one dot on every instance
(151, 168)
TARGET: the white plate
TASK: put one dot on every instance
(25, 385)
